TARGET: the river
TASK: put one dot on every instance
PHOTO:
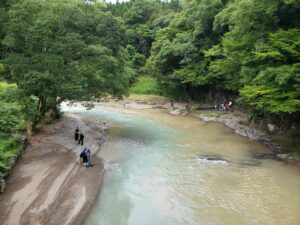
(156, 173)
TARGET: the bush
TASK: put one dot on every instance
(11, 117)
(9, 150)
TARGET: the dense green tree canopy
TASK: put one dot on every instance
(246, 49)
(64, 50)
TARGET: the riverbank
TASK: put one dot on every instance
(48, 185)
(238, 123)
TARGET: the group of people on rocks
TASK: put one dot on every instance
(223, 106)
(85, 153)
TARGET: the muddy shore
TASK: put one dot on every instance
(48, 184)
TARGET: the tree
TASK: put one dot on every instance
(64, 50)
(276, 88)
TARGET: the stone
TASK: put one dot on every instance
(271, 127)
(241, 132)
(213, 158)
(175, 112)
(282, 156)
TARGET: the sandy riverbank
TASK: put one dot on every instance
(48, 185)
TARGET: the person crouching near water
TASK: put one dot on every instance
(86, 157)
(76, 134)
(83, 155)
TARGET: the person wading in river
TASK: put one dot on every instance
(76, 134)
(81, 137)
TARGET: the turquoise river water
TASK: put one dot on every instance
(156, 173)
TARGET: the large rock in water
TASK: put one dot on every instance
(213, 158)
(218, 158)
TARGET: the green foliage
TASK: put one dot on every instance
(64, 50)
(11, 117)
(57, 50)
(145, 85)
(250, 47)
(9, 149)
(271, 99)
(178, 49)
(276, 88)
(141, 12)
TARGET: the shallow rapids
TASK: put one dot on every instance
(157, 172)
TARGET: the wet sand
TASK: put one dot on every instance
(48, 184)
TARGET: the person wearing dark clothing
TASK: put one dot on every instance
(81, 136)
(76, 134)
(84, 156)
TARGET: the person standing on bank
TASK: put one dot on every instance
(81, 136)
(76, 134)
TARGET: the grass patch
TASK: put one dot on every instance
(149, 98)
(145, 85)
(4, 87)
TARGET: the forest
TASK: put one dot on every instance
(246, 51)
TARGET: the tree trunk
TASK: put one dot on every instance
(42, 109)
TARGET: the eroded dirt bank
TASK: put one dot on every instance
(48, 185)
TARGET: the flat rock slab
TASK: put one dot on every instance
(49, 185)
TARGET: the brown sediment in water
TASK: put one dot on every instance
(49, 185)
